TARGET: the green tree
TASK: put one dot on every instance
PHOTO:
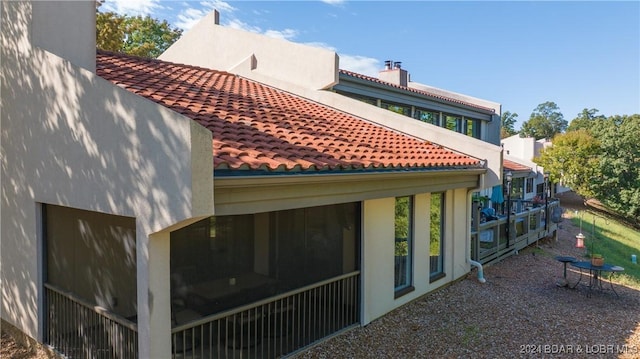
(585, 120)
(573, 161)
(508, 121)
(617, 184)
(109, 31)
(546, 121)
(134, 35)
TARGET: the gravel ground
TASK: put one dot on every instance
(518, 312)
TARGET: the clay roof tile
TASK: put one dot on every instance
(256, 127)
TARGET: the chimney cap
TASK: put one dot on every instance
(397, 64)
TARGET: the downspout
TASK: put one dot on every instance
(480, 271)
(481, 278)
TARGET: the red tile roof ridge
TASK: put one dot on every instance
(414, 90)
(514, 166)
(257, 127)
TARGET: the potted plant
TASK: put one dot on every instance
(597, 260)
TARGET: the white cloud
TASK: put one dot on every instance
(240, 25)
(132, 7)
(222, 6)
(360, 64)
(286, 34)
(189, 16)
(334, 2)
(321, 45)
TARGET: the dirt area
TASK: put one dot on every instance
(9, 349)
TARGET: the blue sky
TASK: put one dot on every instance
(520, 54)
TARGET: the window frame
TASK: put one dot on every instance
(407, 285)
(440, 272)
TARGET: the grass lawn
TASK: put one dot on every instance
(615, 241)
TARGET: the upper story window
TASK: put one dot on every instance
(461, 124)
(427, 116)
(473, 127)
(397, 108)
(367, 99)
(453, 122)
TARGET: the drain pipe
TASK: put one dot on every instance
(480, 272)
(481, 278)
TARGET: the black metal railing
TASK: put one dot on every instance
(79, 329)
(275, 326)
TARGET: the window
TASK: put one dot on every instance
(517, 188)
(540, 190)
(397, 108)
(403, 245)
(367, 99)
(436, 234)
(473, 128)
(453, 123)
(427, 116)
(529, 185)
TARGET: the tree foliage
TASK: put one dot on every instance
(599, 158)
(572, 160)
(585, 120)
(134, 35)
(618, 182)
(545, 121)
(508, 122)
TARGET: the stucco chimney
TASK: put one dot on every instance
(216, 17)
(395, 75)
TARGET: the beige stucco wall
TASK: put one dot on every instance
(234, 50)
(378, 251)
(74, 38)
(73, 139)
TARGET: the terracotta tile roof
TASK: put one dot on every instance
(514, 166)
(256, 127)
(421, 92)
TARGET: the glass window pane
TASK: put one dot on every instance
(453, 123)
(436, 245)
(367, 99)
(403, 242)
(427, 116)
(473, 128)
(397, 108)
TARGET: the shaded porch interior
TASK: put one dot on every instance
(225, 262)
(251, 280)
